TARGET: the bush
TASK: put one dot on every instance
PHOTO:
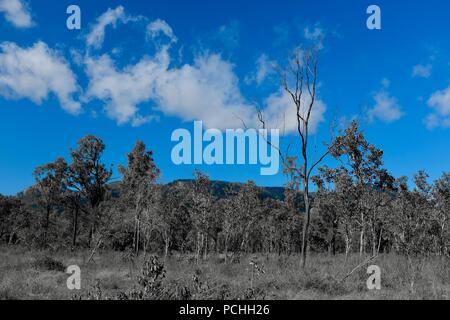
(48, 264)
(324, 284)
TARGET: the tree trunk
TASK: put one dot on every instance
(226, 248)
(11, 238)
(361, 236)
(47, 223)
(198, 246)
(205, 253)
(167, 244)
(348, 244)
(307, 219)
(374, 242)
(75, 226)
(138, 228)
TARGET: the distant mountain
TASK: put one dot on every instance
(218, 190)
(219, 187)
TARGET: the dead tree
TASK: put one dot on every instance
(299, 80)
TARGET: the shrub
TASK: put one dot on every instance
(48, 264)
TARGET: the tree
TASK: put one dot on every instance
(138, 185)
(410, 225)
(247, 205)
(378, 201)
(89, 176)
(15, 220)
(300, 83)
(50, 185)
(364, 162)
(441, 213)
(229, 219)
(200, 207)
(326, 203)
(72, 200)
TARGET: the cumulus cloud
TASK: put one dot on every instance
(264, 68)
(96, 36)
(386, 108)
(123, 90)
(440, 103)
(35, 72)
(17, 13)
(422, 71)
(281, 112)
(158, 27)
(206, 89)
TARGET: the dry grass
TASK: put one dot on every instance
(37, 275)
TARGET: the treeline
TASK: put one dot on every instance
(359, 207)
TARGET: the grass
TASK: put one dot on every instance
(41, 275)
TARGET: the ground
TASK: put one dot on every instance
(31, 274)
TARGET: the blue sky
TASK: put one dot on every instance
(140, 69)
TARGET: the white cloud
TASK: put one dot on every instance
(123, 90)
(264, 68)
(440, 103)
(17, 13)
(158, 27)
(35, 72)
(386, 108)
(206, 89)
(281, 112)
(315, 34)
(423, 71)
(97, 35)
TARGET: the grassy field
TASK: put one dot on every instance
(41, 275)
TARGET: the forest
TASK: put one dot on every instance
(359, 212)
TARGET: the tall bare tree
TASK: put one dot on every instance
(299, 80)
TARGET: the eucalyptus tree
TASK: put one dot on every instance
(410, 224)
(363, 162)
(138, 186)
(441, 213)
(200, 207)
(49, 188)
(248, 205)
(15, 221)
(89, 176)
(299, 81)
(326, 200)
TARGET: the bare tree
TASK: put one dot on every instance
(299, 80)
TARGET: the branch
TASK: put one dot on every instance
(362, 264)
